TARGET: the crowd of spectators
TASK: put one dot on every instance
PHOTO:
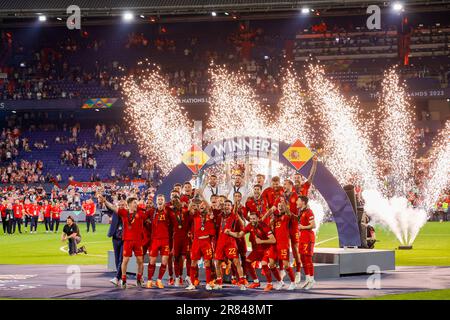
(22, 172)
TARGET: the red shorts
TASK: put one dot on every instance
(282, 251)
(180, 246)
(130, 246)
(242, 246)
(226, 250)
(201, 248)
(306, 248)
(160, 246)
(256, 255)
(146, 244)
(270, 253)
(295, 237)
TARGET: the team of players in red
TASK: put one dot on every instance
(188, 228)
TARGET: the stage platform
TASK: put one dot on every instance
(329, 263)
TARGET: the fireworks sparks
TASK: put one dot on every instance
(439, 174)
(348, 154)
(161, 128)
(292, 123)
(235, 110)
(397, 135)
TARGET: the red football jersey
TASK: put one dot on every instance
(256, 205)
(230, 222)
(272, 197)
(281, 228)
(306, 216)
(262, 231)
(133, 224)
(202, 225)
(180, 220)
(160, 223)
(303, 189)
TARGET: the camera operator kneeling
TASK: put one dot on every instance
(71, 233)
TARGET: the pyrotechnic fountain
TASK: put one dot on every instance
(350, 156)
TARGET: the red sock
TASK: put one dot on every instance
(251, 271)
(162, 270)
(151, 271)
(290, 273)
(298, 265)
(213, 270)
(180, 266)
(139, 277)
(188, 265)
(124, 278)
(219, 281)
(208, 274)
(176, 266)
(276, 273)
(267, 273)
(170, 265)
(242, 280)
(192, 273)
(310, 264)
(196, 271)
(234, 270)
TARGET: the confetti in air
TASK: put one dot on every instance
(439, 173)
(161, 128)
(396, 132)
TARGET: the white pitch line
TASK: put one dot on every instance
(319, 243)
(63, 249)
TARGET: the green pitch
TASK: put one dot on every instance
(421, 295)
(432, 246)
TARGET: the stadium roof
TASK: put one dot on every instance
(107, 8)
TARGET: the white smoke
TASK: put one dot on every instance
(394, 213)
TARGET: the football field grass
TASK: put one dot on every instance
(432, 246)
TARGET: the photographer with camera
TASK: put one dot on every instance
(71, 233)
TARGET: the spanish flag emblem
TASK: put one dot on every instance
(298, 154)
(195, 158)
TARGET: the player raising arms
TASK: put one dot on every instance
(290, 198)
(263, 242)
(302, 187)
(133, 224)
(180, 221)
(160, 241)
(226, 244)
(307, 239)
(280, 221)
(203, 233)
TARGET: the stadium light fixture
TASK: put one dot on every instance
(42, 18)
(142, 16)
(226, 13)
(305, 10)
(128, 16)
(397, 6)
(214, 14)
(59, 19)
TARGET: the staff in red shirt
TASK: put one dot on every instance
(47, 208)
(18, 216)
(34, 211)
(203, 231)
(307, 240)
(56, 216)
(160, 241)
(133, 224)
(89, 209)
(3, 215)
(27, 214)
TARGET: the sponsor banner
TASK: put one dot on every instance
(99, 103)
